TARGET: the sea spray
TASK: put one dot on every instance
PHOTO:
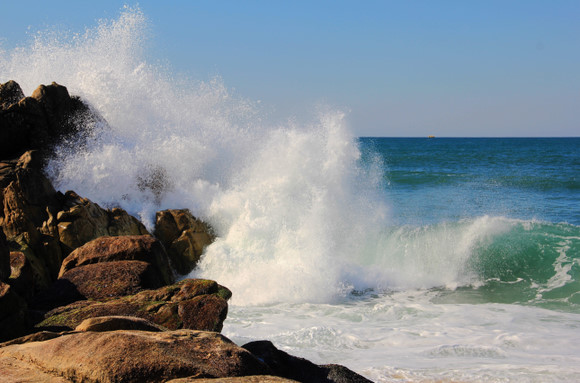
(417, 260)
(290, 202)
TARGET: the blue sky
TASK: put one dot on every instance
(398, 68)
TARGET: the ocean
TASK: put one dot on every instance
(404, 259)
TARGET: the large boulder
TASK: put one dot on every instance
(112, 279)
(196, 304)
(184, 236)
(81, 220)
(143, 248)
(129, 356)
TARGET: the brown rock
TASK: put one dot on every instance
(115, 323)
(184, 236)
(125, 248)
(81, 221)
(113, 279)
(205, 312)
(132, 356)
(10, 93)
(161, 306)
(14, 370)
(35, 337)
(26, 200)
(239, 379)
(21, 277)
(40, 121)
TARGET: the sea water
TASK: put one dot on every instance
(443, 259)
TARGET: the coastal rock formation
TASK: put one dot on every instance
(143, 248)
(46, 225)
(38, 121)
(197, 304)
(131, 356)
(80, 221)
(86, 293)
(112, 279)
(184, 236)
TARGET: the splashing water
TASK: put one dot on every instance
(303, 219)
(299, 217)
(288, 201)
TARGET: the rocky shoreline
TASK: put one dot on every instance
(89, 295)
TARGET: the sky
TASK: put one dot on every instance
(397, 68)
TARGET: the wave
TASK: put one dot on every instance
(300, 208)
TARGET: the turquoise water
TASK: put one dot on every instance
(434, 180)
(530, 185)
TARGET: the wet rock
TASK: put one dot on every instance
(131, 356)
(177, 306)
(302, 370)
(124, 248)
(184, 236)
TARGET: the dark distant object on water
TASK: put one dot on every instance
(430, 136)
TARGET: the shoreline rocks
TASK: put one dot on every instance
(88, 294)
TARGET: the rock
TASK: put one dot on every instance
(10, 93)
(184, 236)
(13, 316)
(177, 306)
(124, 248)
(113, 279)
(302, 370)
(39, 121)
(81, 221)
(341, 374)
(5, 269)
(27, 197)
(35, 337)
(115, 323)
(240, 379)
(206, 312)
(45, 225)
(21, 277)
(131, 356)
